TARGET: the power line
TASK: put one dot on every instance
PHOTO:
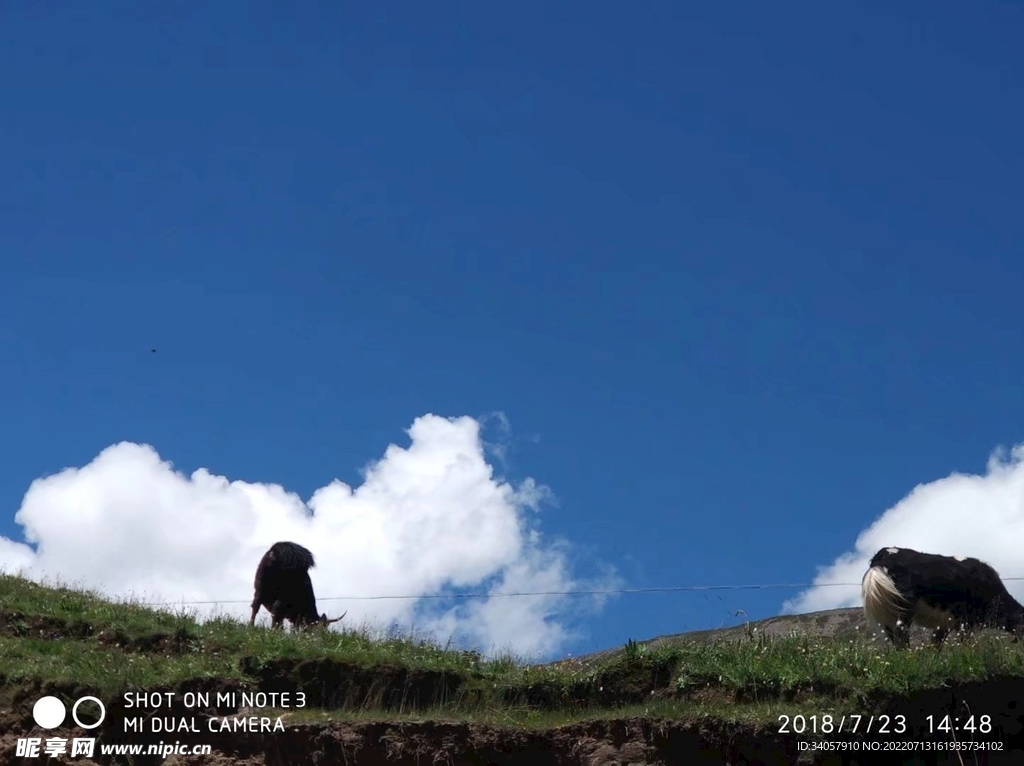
(596, 592)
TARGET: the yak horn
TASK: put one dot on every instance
(338, 619)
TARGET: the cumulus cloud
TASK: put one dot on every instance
(428, 519)
(961, 515)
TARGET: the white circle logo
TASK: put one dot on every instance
(49, 712)
(74, 712)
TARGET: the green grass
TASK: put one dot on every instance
(220, 641)
(43, 637)
(759, 714)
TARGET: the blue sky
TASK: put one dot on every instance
(739, 276)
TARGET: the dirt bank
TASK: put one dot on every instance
(637, 742)
(588, 691)
(625, 742)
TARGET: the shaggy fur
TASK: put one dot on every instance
(282, 585)
(903, 587)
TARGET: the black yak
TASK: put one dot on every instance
(903, 586)
(283, 586)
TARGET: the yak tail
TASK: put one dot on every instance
(882, 599)
(293, 556)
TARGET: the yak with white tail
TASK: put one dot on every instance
(903, 587)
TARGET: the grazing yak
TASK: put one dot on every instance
(283, 586)
(904, 587)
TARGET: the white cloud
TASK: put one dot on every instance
(961, 515)
(426, 519)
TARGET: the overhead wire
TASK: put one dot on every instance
(518, 594)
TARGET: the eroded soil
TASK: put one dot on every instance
(335, 686)
(634, 741)
(629, 741)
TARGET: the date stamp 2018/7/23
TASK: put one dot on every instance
(883, 732)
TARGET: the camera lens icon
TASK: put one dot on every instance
(50, 712)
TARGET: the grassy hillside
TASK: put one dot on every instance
(64, 639)
(839, 624)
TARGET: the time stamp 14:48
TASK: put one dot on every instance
(881, 724)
